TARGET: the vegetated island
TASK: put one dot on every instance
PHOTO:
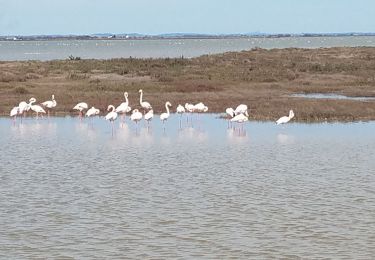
(262, 79)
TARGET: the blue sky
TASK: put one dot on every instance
(29, 17)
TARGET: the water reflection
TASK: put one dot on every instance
(186, 193)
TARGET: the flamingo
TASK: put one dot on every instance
(240, 118)
(165, 116)
(14, 113)
(189, 108)
(145, 105)
(112, 115)
(200, 107)
(36, 108)
(241, 109)
(23, 107)
(285, 119)
(92, 112)
(180, 110)
(136, 116)
(50, 104)
(123, 107)
(80, 107)
(149, 115)
(230, 112)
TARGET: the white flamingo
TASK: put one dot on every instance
(36, 108)
(285, 119)
(241, 109)
(240, 118)
(200, 107)
(80, 107)
(190, 109)
(14, 113)
(165, 116)
(145, 105)
(180, 110)
(23, 108)
(149, 115)
(136, 116)
(111, 116)
(50, 104)
(92, 112)
(123, 107)
(230, 112)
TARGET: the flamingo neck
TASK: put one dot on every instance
(140, 98)
(126, 99)
(167, 108)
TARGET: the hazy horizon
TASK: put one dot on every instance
(87, 17)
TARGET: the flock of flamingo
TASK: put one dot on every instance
(238, 115)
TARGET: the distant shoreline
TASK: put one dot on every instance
(173, 36)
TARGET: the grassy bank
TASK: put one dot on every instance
(262, 79)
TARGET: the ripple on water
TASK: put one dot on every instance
(70, 190)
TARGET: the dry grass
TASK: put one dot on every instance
(260, 78)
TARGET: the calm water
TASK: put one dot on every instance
(70, 190)
(105, 49)
(332, 96)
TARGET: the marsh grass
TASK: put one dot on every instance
(262, 79)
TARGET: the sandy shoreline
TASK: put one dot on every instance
(262, 79)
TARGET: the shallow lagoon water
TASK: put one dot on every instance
(107, 49)
(70, 190)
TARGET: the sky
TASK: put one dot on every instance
(36, 17)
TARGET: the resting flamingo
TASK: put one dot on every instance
(145, 105)
(285, 119)
(80, 107)
(240, 118)
(241, 109)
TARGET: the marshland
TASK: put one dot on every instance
(264, 79)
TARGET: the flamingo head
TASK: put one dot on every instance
(110, 107)
(125, 94)
(168, 104)
(32, 100)
(205, 109)
(135, 111)
(140, 91)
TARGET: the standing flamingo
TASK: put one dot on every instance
(50, 104)
(136, 116)
(230, 112)
(123, 107)
(240, 118)
(36, 108)
(190, 109)
(241, 109)
(91, 113)
(165, 116)
(80, 107)
(180, 110)
(111, 116)
(149, 115)
(145, 105)
(14, 113)
(285, 119)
